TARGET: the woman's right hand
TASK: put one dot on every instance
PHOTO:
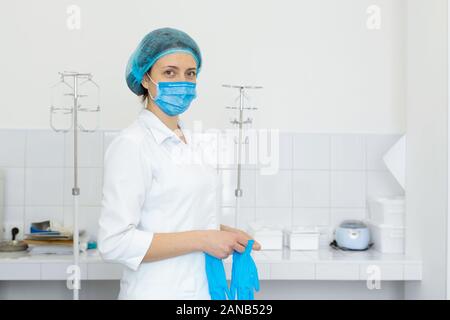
(221, 244)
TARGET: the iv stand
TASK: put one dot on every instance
(75, 125)
(238, 192)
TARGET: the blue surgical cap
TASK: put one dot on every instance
(156, 44)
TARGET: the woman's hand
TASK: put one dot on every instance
(256, 245)
(221, 244)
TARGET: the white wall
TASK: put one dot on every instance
(427, 145)
(322, 69)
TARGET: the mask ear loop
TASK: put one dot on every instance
(156, 85)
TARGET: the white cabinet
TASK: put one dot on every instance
(20, 271)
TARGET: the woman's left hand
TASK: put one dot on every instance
(256, 245)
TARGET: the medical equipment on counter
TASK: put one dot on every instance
(244, 275)
(302, 238)
(42, 226)
(91, 245)
(13, 245)
(270, 238)
(352, 235)
(84, 96)
(50, 228)
(240, 122)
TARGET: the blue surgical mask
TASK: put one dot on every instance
(174, 98)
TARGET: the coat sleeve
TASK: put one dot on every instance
(124, 185)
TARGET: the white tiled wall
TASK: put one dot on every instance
(322, 179)
(39, 177)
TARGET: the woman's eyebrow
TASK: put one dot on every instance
(177, 68)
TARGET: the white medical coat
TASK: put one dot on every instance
(152, 185)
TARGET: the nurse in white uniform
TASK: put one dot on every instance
(159, 207)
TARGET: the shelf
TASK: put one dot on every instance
(324, 264)
(330, 264)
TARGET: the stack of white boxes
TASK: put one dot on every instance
(387, 216)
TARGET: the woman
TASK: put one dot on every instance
(159, 213)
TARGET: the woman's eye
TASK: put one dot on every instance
(169, 73)
(192, 74)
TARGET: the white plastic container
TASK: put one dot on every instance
(268, 238)
(302, 238)
(387, 211)
(387, 238)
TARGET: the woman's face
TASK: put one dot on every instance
(177, 66)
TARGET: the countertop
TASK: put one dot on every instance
(323, 264)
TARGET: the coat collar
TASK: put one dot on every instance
(159, 130)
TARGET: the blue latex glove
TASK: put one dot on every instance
(217, 281)
(244, 275)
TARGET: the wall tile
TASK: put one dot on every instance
(44, 186)
(311, 151)
(90, 182)
(278, 160)
(245, 216)
(12, 147)
(44, 148)
(229, 178)
(348, 152)
(228, 150)
(274, 217)
(311, 216)
(348, 189)
(274, 190)
(90, 149)
(14, 186)
(311, 188)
